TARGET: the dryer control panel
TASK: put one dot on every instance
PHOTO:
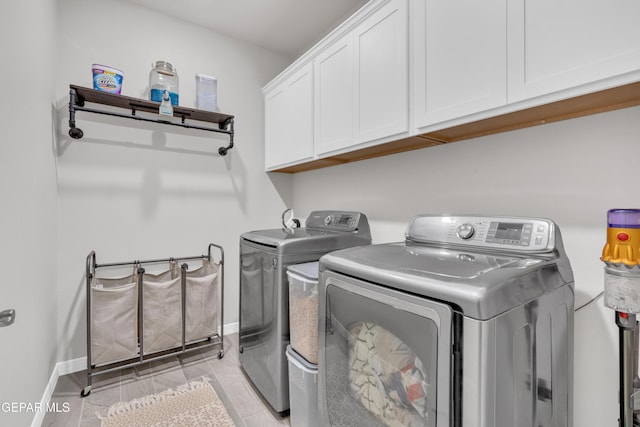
(508, 233)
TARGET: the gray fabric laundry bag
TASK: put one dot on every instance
(202, 301)
(114, 319)
(162, 310)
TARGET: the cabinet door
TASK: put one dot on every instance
(334, 97)
(559, 44)
(289, 120)
(381, 67)
(460, 58)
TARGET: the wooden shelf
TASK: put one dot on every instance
(91, 95)
(79, 95)
(597, 102)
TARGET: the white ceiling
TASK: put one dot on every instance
(286, 26)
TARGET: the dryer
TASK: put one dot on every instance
(468, 323)
(264, 291)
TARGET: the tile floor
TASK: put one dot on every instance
(241, 400)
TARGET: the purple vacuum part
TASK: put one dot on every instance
(623, 218)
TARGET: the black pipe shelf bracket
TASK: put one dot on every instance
(79, 95)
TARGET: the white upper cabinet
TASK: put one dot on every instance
(289, 120)
(561, 44)
(362, 82)
(381, 67)
(335, 91)
(459, 58)
(403, 74)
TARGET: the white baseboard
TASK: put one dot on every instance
(231, 328)
(61, 368)
(71, 366)
(77, 365)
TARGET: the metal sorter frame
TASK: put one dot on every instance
(214, 340)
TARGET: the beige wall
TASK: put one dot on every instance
(28, 205)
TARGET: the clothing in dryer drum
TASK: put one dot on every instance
(379, 355)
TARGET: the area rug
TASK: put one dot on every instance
(192, 404)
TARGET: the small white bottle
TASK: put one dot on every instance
(166, 109)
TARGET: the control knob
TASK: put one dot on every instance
(465, 231)
(328, 220)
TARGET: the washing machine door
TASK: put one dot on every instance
(385, 356)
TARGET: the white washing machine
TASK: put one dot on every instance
(264, 291)
(468, 323)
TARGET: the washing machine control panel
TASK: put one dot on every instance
(335, 220)
(510, 233)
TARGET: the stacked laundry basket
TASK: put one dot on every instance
(302, 353)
